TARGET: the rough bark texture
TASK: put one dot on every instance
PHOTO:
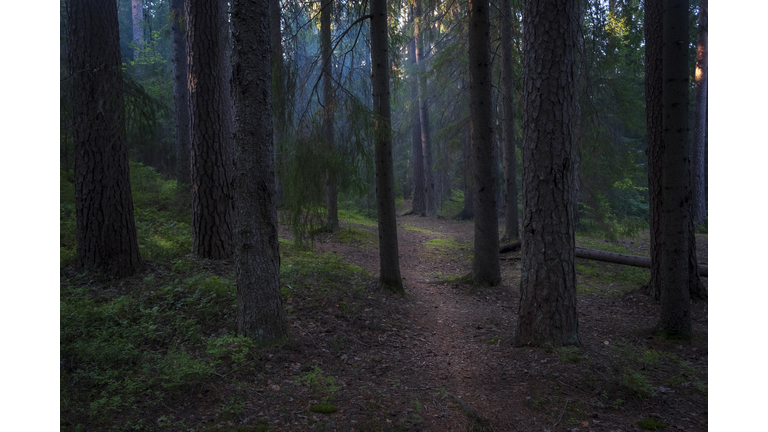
(137, 15)
(511, 230)
(260, 312)
(653, 66)
(105, 227)
(329, 104)
(698, 172)
(211, 207)
(419, 190)
(225, 80)
(485, 265)
(675, 194)
(389, 260)
(426, 143)
(180, 90)
(548, 311)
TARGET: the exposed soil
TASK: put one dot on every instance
(441, 358)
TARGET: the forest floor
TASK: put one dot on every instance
(441, 357)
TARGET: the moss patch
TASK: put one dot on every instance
(650, 423)
(446, 243)
(323, 408)
(407, 227)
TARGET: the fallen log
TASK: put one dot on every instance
(598, 255)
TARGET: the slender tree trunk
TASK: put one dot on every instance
(426, 143)
(700, 121)
(675, 193)
(468, 212)
(137, 15)
(105, 227)
(485, 265)
(419, 204)
(329, 102)
(210, 157)
(389, 259)
(511, 230)
(260, 313)
(228, 108)
(279, 96)
(180, 90)
(548, 310)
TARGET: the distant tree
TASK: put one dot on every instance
(419, 205)
(105, 226)
(210, 157)
(180, 89)
(426, 137)
(260, 313)
(329, 106)
(389, 259)
(137, 15)
(548, 311)
(511, 230)
(698, 179)
(486, 269)
(468, 211)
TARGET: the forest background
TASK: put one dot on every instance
(736, 217)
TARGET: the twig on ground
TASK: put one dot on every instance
(561, 414)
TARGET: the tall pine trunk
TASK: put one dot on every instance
(548, 310)
(511, 230)
(279, 96)
(698, 173)
(485, 265)
(260, 313)
(180, 89)
(105, 227)
(137, 18)
(675, 317)
(210, 155)
(426, 139)
(329, 102)
(389, 260)
(419, 204)
(468, 212)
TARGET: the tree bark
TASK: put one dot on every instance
(279, 97)
(211, 159)
(511, 230)
(329, 103)
(700, 120)
(426, 143)
(419, 204)
(468, 212)
(260, 313)
(180, 89)
(548, 310)
(675, 193)
(486, 269)
(389, 276)
(137, 16)
(225, 80)
(105, 226)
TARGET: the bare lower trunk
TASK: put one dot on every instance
(700, 121)
(137, 17)
(180, 90)
(329, 102)
(511, 230)
(426, 143)
(419, 190)
(468, 212)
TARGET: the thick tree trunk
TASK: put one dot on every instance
(180, 89)
(468, 212)
(105, 227)
(426, 143)
(211, 159)
(260, 312)
(675, 194)
(485, 265)
(329, 104)
(389, 259)
(511, 230)
(137, 16)
(698, 171)
(548, 311)
(419, 205)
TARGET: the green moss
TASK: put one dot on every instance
(407, 227)
(323, 408)
(452, 206)
(494, 340)
(352, 234)
(446, 243)
(650, 423)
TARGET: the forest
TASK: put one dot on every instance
(383, 215)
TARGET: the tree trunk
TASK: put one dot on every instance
(211, 214)
(389, 260)
(485, 265)
(468, 212)
(260, 313)
(548, 311)
(105, 227)
(511, 230)
(227, 109)
(180, 89)
(137, 15)
(675, 194)
(279, 98)
(426, 143)
(700, 121)
(419, 204)
(329, 103)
